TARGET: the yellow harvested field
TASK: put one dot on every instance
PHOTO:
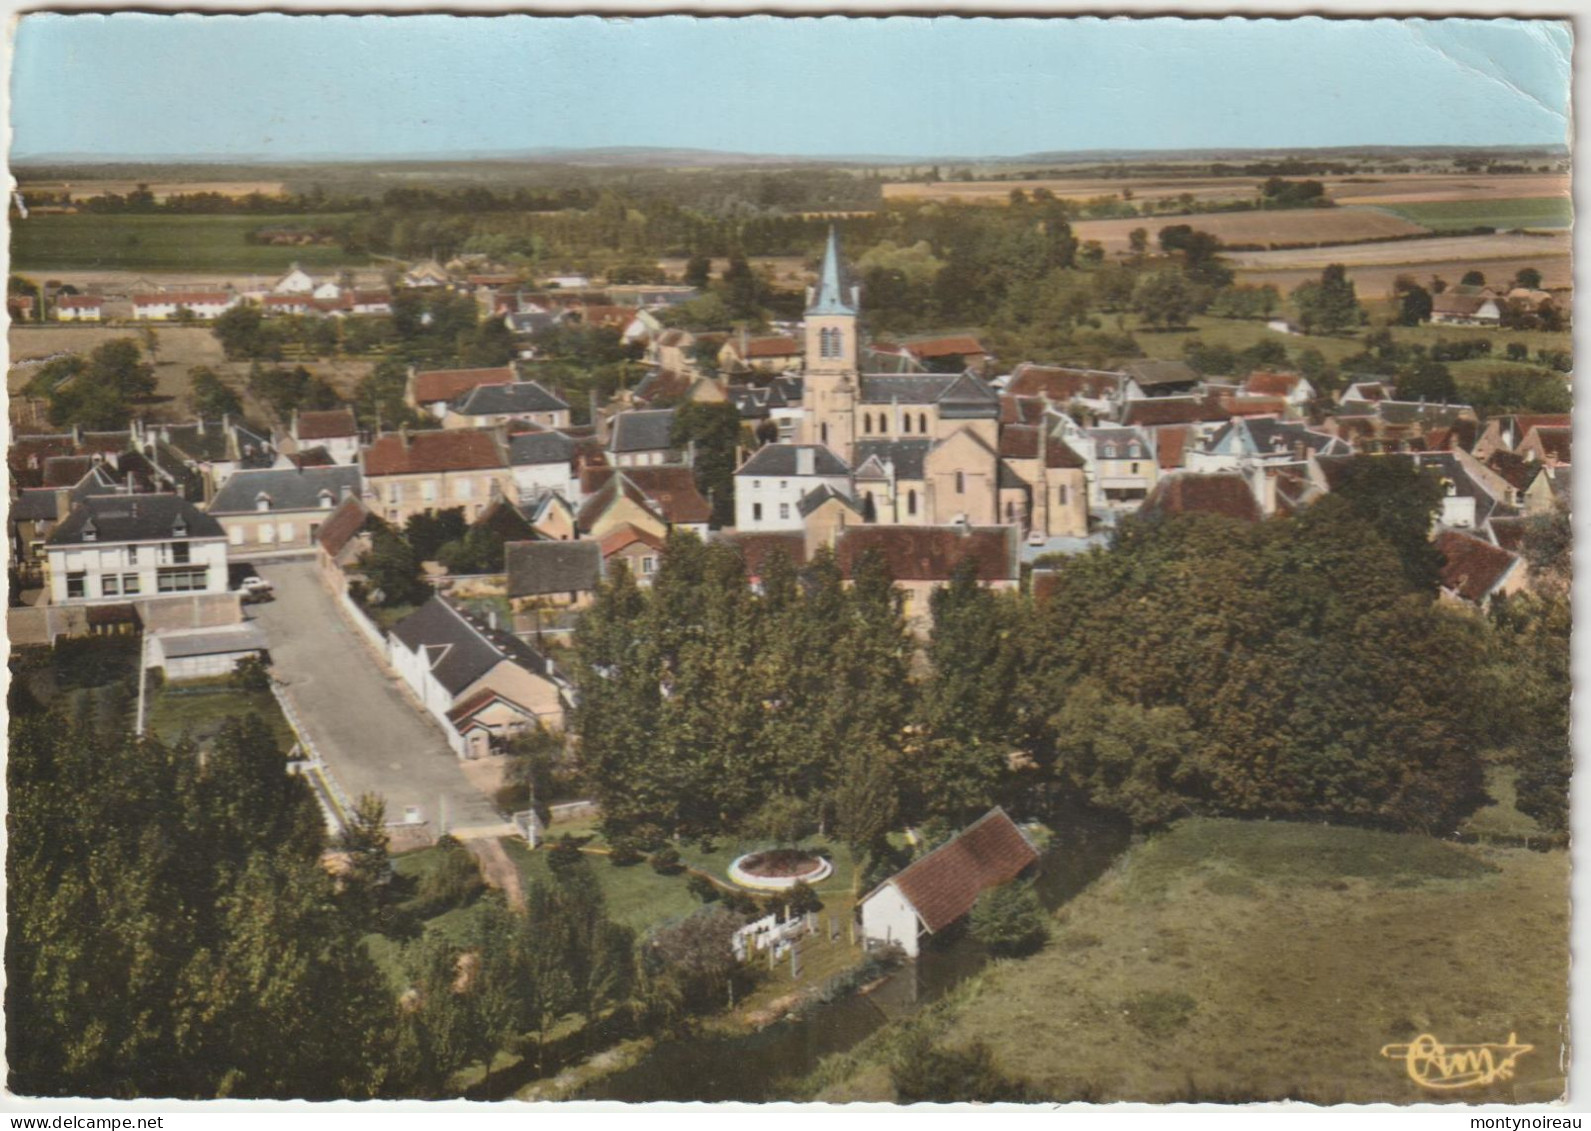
(1444, 250)
(1287, 226)
(1417, 188)
(87, 190)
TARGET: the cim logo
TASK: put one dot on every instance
(1431, 1064)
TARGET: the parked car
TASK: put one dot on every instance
(256, 588)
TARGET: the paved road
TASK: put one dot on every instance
(373, 738)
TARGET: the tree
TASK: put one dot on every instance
(1164, 299)
(698, 271)
(1328, 306)
(1414, 301)
(479, 551)
(1400, 503)
(427, 533)
(1529, 278)
(1473, 279)
(713, 432)
(1427, 380)
(393, 570)
(242, 332)
(1138, 241)
(742, 290)
(1009, 920)
(210, 396)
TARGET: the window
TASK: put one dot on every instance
(132, 555)
(130, 584)
(648, 564)
(325, 500)
(262, 502)
(392, 514)
(906, 423)
(1108, 451)
(867, 423)
(784, 510)
(395, 493)
(287, 532)
(1060, 496)
(464, 488)
(235, 536)
(922, 423)
(784, 484)
(267, 533)
(110, 585)
(179, 553)
(756, 484)
(823, 430)
(76, 584)
(961, 482)
(1010, 511)
(756, 512)
(182, 580)
(1135, 469)
(314, 531)
(911, 501)
(428, 491)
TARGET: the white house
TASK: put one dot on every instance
(113, 547)
(770, 485)
(297, 281)
(279, 512)
(79, 308)
(542, 462)
(936, 890)
(163, 307)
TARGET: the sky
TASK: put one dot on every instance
(282, 87)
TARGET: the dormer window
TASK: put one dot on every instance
(262, 502)
(326, 500)
(1110, 451)
(179, 529)
(90, 531)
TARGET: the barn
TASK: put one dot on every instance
(932, 893)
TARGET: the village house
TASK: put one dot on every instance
(486, 405)
(335, 430)
(430, 273)
(668, 499)
(640, 551)
(1550, 445)
(1476, 571)
(1161, 377)
(297, 281)
(112, 547)
(276, 513)
(642, 438)
(482, 685)
(922, 559)
(36, 511)
(1292, 388)
(543, 461)
(1504, 433)
(434, 390)
(1224, 493)
(1053, 478)
(342, 540)
(79, 308)
(937, 890)
(552, 574)
(553, 517)
(170, 305)
(770, 485)
(1121, 465)
(742, 354)
(955, 353)
(424, 472)
(203, 653)
(1456, 307)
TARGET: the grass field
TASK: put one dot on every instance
(1284, 226)
(175, 243)
(88, 190)
(1522, 212)
(1231, 961)
(197, 711)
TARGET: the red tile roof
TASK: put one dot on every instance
(183, 298)
(1224, 494)
(80, 302)
(772, 347)
(626, 535)
(1553, 443)
(1151, 412)
(1020, 410)
(1062, 384)
(453, 450)
(341, 525)
(1171, 445)
(943, 886)
(1509, 533)
(1019, 441)
(1474, 566)
(447, 384)
(1263, 384)
(671, 490)
(1253, 406)
(327, 424)
(931, 553)
(756, 548)
(1058, 453)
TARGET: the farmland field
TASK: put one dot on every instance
(1450, 186)
(1456, 249)
(88, 190)
(1287, 226)
(1229, 961)
(1503, 214)
(178, 243)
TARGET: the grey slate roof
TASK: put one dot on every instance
(459, 651)
(527, 448)
(782, 459)
(509, 400)
(290, 489)
(924, 388)
(645, 430)
(908, 455)
(532, 321)
(241, 638)
(134, 518)
(816, 497)
(38, 503)
(1154, 372)
(537, 568)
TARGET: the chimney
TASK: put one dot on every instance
(403, 436)
(135, 508)
(295, 425)
(63, 503)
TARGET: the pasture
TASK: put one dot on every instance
(1502, 214)
(162, 190)
(1229, 961)
(174, 243)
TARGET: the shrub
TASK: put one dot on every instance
(702, 888)
(251, 674)
(925, 1072)
(563, 853)
(801, 899)
(1009, 920)
(625, 852)
(666, 861)
(455, 881)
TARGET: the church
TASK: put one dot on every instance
(927, 449)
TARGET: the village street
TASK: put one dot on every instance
(372, 738)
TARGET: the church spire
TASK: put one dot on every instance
(831, 295)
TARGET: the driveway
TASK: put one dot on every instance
(371, 736)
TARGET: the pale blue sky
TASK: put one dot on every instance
(287, 86)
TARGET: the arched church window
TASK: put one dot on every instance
(911, 501)
(906, 422)
(922, 423)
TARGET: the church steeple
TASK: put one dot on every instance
(832, 296)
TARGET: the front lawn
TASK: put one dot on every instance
(198, 709)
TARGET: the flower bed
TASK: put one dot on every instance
(779, 869)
